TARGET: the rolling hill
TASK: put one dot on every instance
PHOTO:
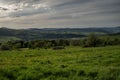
(53, 33)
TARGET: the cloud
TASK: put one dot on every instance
(59, 13)
(4, 9)
(19, 8)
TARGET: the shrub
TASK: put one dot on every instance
(91, 41)
(17, 46)
(5, 47)
(58, 48)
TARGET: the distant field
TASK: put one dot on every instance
(72, 63)
(111, 36)
(8, 38)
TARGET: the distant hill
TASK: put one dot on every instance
(54, 33)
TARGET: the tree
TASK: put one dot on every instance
(91, 41)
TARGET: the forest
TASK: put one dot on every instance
(91, 40)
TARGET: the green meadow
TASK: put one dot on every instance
(71, 63)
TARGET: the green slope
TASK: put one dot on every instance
(8, 38)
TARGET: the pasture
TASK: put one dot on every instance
(71, 63)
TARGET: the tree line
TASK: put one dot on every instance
(91, 41)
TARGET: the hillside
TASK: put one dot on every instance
(54, 33)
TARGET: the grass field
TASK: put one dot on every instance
(72, 63)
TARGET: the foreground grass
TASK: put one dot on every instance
(72, 63)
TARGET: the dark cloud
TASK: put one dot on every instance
(60, 17)
(4, 9)
(72, 2)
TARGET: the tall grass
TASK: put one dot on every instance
(72, 63)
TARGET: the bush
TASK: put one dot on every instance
(17, 46)
(91, 41)
(5, 47)
(58, 48)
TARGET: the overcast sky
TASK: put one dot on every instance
(59, 13)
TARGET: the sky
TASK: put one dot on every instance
(59, 13)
